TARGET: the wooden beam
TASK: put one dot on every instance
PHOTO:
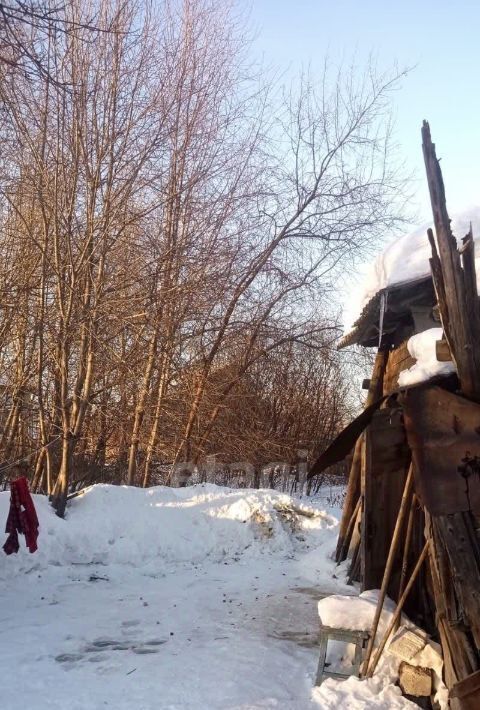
(460, 657)
(406, 549)
(375, 391)
(348, 536)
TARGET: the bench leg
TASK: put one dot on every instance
(321, 660)
(357, 661)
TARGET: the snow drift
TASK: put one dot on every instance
(159, 527)
(201, 597)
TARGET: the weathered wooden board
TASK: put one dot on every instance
(468, 690)
(399, 360)
(384, 471)
(459, 652)
(461, 543)
(443, 431)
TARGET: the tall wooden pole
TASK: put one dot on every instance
(406, 548)
(375, 391)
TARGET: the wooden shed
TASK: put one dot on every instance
(411, 519)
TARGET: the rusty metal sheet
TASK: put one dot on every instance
(443, 431)
(345, 441)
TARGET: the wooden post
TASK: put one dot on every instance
(391, 557)
(354, 571)
(470, 277)
(375, 391)
(351, 497)
(460, 541)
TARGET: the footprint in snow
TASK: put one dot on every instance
(94, 652)
(97, 658)
(68, 657)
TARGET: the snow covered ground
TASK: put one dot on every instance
(193, 598)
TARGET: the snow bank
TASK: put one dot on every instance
(422, 347)
(407, 259)
(159, 527)
(225, 635)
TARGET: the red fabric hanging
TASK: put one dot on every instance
(22, 517)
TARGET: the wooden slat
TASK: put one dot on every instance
(470, 281)
(399, 360)
(468, 690)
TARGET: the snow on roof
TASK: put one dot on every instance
(405, 261)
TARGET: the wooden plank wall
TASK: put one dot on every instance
(384, 471)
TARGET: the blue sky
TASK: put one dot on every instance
(440, 38)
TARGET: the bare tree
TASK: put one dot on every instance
(171, 236)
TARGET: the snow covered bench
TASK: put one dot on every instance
(341, 625)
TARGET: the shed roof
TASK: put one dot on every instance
(398, 302)
(400, 278)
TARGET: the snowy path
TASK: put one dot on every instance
(234, 632)
(204, 638)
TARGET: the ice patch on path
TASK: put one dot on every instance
(159, 527)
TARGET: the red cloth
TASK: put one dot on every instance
(22, 517)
